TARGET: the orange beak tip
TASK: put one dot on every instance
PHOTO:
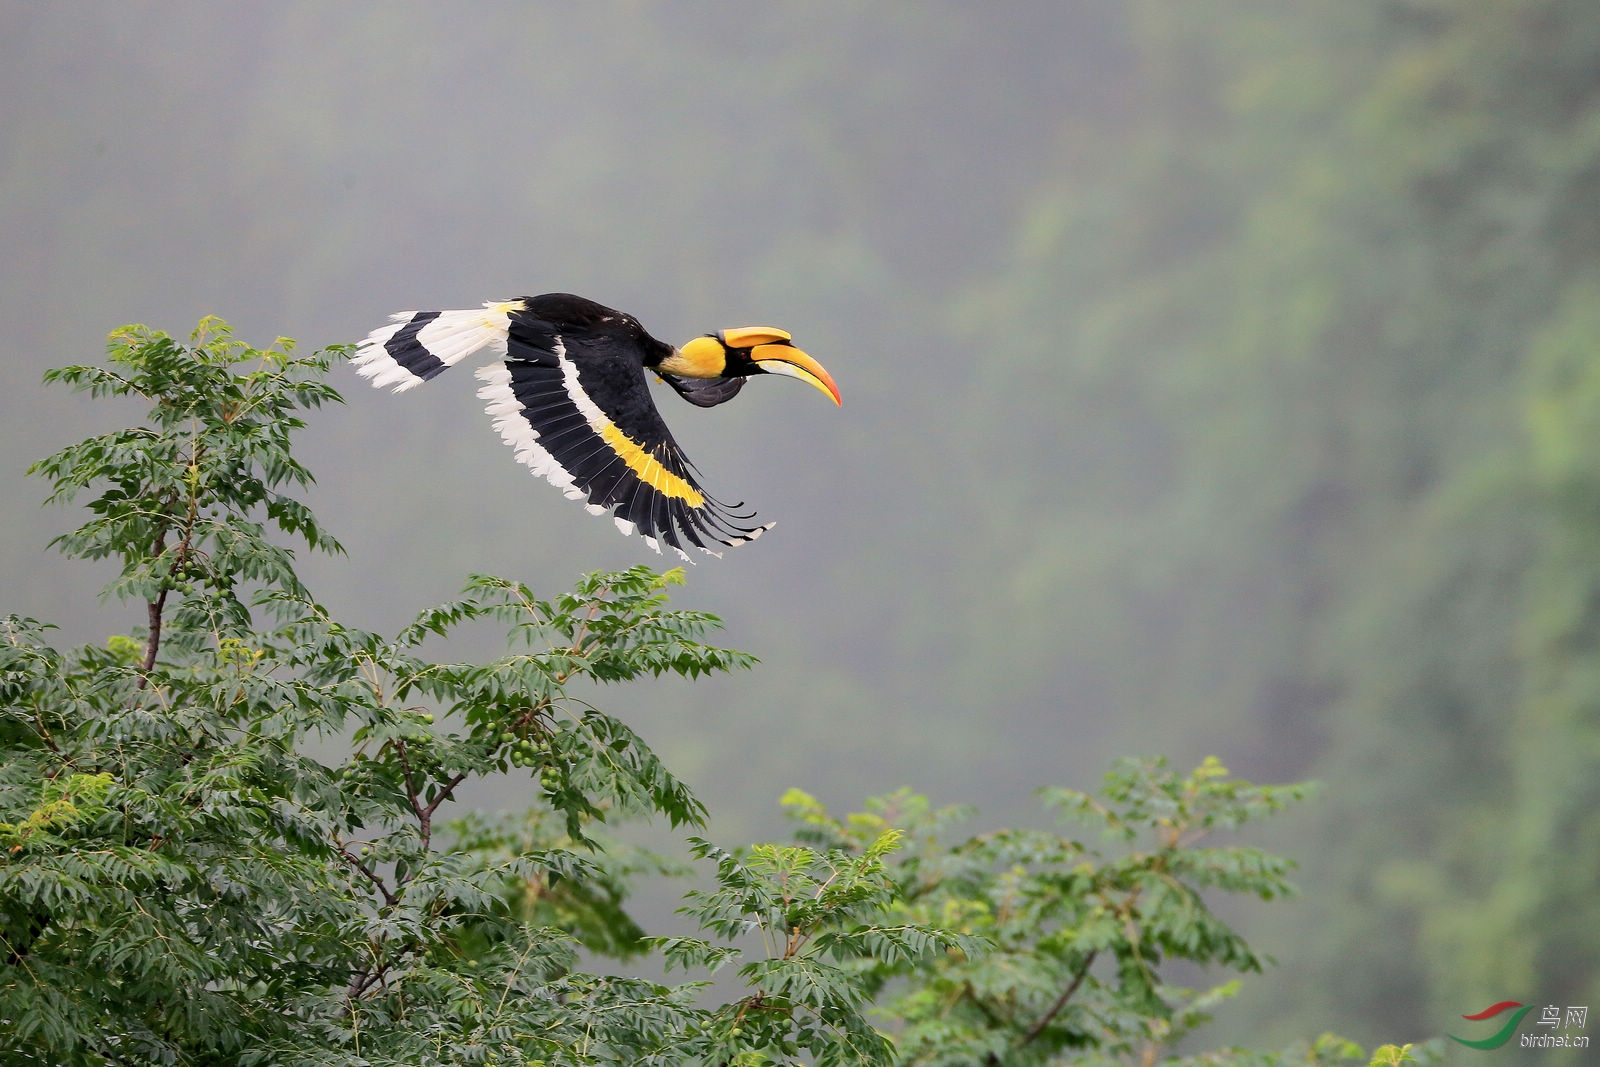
(790, 361)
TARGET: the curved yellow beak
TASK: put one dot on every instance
(789, 360)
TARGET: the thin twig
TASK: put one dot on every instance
(411, 789)
(439, 798)
(180, 559)
(360, 982)
(424, 812)
(1061, 1001)
(388, 897)
(153, 610)
(582, 632)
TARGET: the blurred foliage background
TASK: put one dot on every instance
(1218, 379)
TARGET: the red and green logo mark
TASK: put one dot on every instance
(1504, 1034)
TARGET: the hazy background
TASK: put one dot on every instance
(1218, 379)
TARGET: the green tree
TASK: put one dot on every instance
(1052, 907)
(185, 884)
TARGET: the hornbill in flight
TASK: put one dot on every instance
(569, 393)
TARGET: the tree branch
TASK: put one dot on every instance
(180, 558)
(439, 798)
(1061, 1001)
(424, 812)
(360, 982)
(388, 897)
(153, 612)
(405, 776)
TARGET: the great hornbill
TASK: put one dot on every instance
(569, 394)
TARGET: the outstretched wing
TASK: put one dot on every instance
(577, 409)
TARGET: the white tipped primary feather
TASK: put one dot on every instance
(624, 525)
(373, 362)
(751, 536)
